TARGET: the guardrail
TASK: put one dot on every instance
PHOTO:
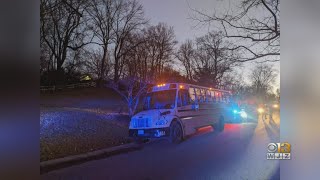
(70, 86)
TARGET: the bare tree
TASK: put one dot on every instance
(254, 25)
(135, 60)
(130, 18)
(61, 29)
(93, 63)
(145, 56)
(262, 78)
(160, 48)
(233, 81)
(151, 50)
(186, 55)
(112, 23)
(171, 75)
(103, 16)
(130, 89)
(213, 59)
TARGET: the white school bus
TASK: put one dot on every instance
(176, 110)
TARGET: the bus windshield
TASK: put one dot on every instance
(160, 100)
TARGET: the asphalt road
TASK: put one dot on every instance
(237, 153)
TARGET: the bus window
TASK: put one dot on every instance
(228, 98)
(218, 96)
(213, 96)
(221, 96)
(183, 98)
(208, 96)
(146, 104)
(192, 94)
(198, 94)
(160, 99)
(203, 95)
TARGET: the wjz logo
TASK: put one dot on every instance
(279, 151)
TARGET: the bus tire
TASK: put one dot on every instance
(220, 125)
(176, 133)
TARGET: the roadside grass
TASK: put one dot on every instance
(90, 98)
(81, 121)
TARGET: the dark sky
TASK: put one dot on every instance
(177, 13)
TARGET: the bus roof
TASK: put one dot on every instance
(167, 86)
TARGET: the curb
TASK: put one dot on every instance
(59, 163)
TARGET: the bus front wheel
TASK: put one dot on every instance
(176, 134)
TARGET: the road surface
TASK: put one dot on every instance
(237, 153)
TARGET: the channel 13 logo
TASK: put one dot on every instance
(279, 151)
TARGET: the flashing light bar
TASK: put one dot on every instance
(161, 85)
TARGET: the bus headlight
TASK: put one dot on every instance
(161, 122)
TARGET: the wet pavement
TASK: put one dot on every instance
(237, 153)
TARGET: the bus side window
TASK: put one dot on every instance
(213, 97)
(198, 95)
(228, 98)
(208, 96)
(225, 97)
(192, 95)
(218, 97)
(203, 93)
(222, 98)
(183, 99)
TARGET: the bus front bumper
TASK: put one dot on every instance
(150, 133)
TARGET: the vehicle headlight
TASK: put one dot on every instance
(243, 114)
(260, 110)
(161, 122)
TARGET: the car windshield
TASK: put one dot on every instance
(160, 100)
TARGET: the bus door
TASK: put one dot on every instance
(217, 105)
(186, 110)
(203, 113)
(204, 117)
(208, 108)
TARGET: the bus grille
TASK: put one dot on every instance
(142, 122)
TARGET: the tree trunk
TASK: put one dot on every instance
(116, 70)
(102, 68)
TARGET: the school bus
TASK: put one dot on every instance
(176, 110)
